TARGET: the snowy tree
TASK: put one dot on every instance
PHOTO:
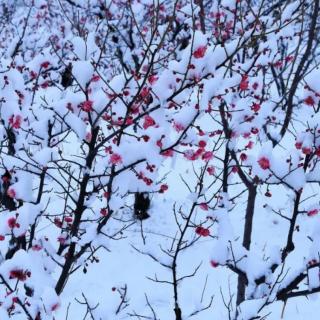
(159, 159)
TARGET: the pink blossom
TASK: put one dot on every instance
(88, 137)
(95, 78)
(255, 107)
(204, 206)
(211, 170)
(19, 274)
(234, 169)
(115, 159)
(312, 212)
(167, 153)
(309, 101)
(250, 144)
(190, 155)
(178, 126)
(104, 212)
(243, 157)
(152, 79)
(244, 84)
(203, 232)
(208, 155)
(148, 122)
(11, 193)
(255, 86)
(87, 106)
(33, 74)
(45, 64)
(144, 92)
(306, 150)
(264, 163)
(12, 222)
(68, 219)
(55, 306)
(163, 188)
(200, 52)
(62, 239)
(36, 247)
(214, 264)
(15, 121)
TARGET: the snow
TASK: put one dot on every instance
(194, 121)
(82, 71)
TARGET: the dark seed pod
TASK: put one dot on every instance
(141, 205)
(66, 77)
